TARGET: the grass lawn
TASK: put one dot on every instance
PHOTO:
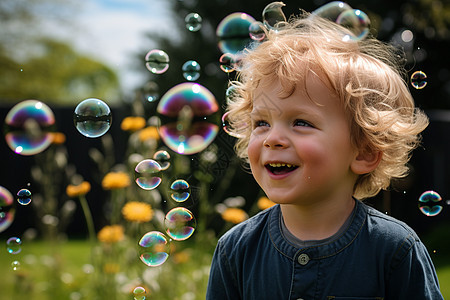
(62, 272)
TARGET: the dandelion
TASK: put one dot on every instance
(111, 234)
(132, 123)
(78, 190)
(149, 133)
(264, 203)
(115, 180)
(138, 212)
(234, 215)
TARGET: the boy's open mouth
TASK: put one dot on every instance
(280, 168)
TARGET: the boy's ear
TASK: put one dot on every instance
(366, 161)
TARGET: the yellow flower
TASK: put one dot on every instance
(58, 138)
(149, 133)
(138, 212)
(115, 180)
(111, 268)
(78, 190)
(132, 123)
(234, 215)
(111, 234)
(264, 203)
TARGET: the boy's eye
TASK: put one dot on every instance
(260, 123)
(302, 123)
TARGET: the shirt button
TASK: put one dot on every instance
(303, 259)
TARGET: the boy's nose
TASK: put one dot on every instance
(276, 140)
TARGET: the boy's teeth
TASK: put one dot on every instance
(277, 165)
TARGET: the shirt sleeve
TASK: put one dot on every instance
(412, 273)
(222, 282)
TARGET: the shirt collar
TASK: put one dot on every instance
(318, 251)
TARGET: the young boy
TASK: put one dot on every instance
(324, 121)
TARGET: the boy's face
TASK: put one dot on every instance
(300, 150)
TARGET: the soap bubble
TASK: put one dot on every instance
(430, 203)
(227, 127)
(188, 113)
(227, 62)
(14, 245)
(139, 293)
(331, 10)
(193, 22)
(180, 223)
(92, 117)
(256, 31)
(24, 197)
(180, 190)
(191, 70)
(418, 80)
(147, 174)
(233, 32)
(15, 265)
(356, 21)
(162, 157)
(7, 210)
(28, 127)
(150, 91)
(154, 248)
(273, 14)
(157, 61)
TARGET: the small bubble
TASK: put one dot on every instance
(256, 31)
(233, 34)
(228, 129)
(92, 117)
(180, 223)
(162, 157)
(15, 265)
(273, 15)
(139, 293)
(193, 22)
(227, 62)
(356, 21)
(154, 248)
(191, 70)
(418, 80)
(150, 91)
(147, 174)
(14, 245)
(24, 197)
(157, 61)
(430, 203)
(180, 190)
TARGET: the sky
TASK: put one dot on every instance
(112, 31)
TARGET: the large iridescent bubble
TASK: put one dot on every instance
(233, 32)
(356, 21)
(28, 127)
(7, 210)
(189, 118)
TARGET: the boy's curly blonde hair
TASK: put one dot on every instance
(366, 77)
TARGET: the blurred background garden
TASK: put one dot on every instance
(132, 206)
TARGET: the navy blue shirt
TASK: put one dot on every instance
(375, 257)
